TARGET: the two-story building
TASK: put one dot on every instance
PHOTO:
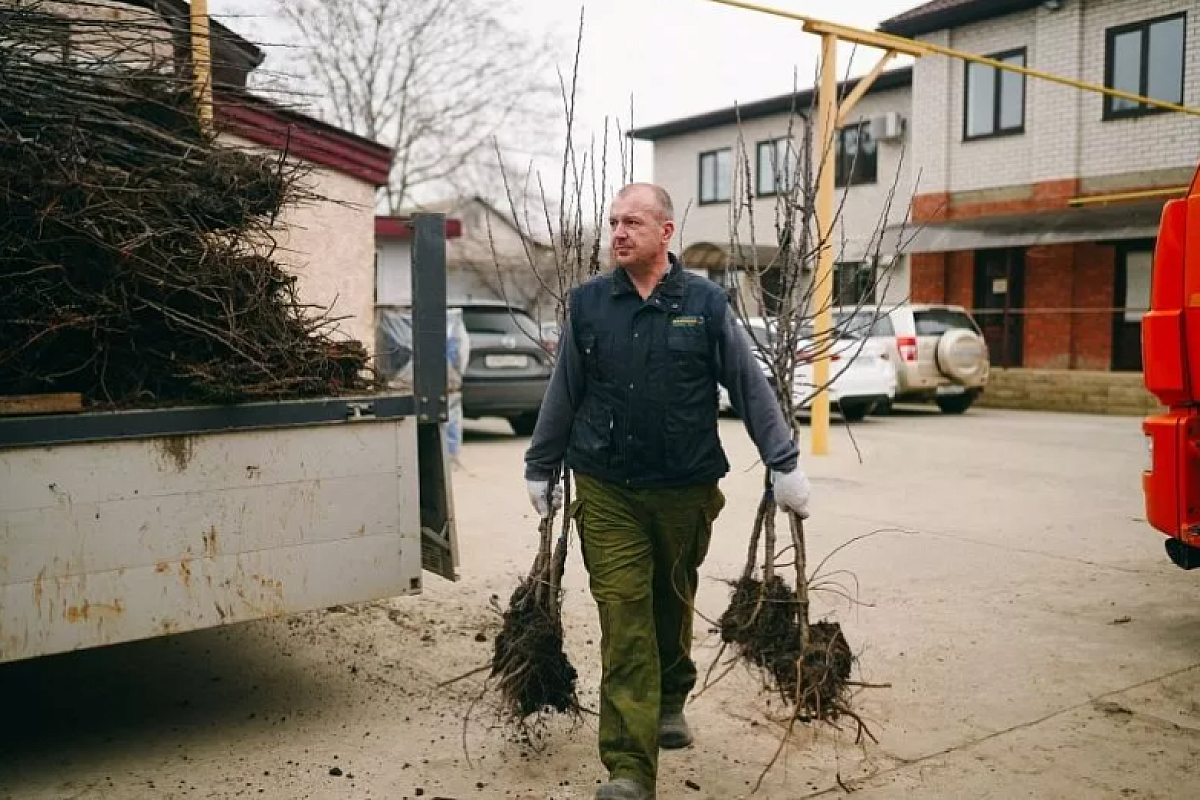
(1034, 204)
(726, 170)
(1039, 202)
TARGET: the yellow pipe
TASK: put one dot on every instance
(202, 63)
(900, 44)
(1118, 197)
(826, 209)
(860, 90)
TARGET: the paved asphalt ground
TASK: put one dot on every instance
(1034, 639)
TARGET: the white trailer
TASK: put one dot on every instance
(124, 525)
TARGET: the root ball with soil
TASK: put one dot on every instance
(767, 627)
(529, 666)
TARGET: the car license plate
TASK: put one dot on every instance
(950, 390)
(506, 362)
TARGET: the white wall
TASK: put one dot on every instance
(329, 245)
(677, 168)
(1148, 143)
(869, 208)
(393, 272)
(1065, 134)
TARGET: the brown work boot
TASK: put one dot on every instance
(673, 731)
(623, 789)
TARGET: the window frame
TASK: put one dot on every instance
(700, 177)
(997, 96)
(840, 179)
(1143, 26)
(771, 146)
(865, 295)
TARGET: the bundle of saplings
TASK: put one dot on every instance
(136, 254)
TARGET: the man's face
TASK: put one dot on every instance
(639, 236)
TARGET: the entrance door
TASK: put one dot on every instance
(1133, 301)
(1000, 303)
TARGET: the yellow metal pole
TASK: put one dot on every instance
(887, 40)
(827, 111)
(1145, 194)
(860, 90)
(911, 47)
(202, 63)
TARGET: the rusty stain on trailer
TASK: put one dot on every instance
(39, 589)
(98, 611)
(210, 542)
(162, 567)
(177, 449)
(185, 572)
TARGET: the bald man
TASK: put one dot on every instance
(632, 411)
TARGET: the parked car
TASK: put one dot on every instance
(938, 350)
(509, 368)
(862, 378)
(550, 336)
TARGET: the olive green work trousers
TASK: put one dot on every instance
(643, 549)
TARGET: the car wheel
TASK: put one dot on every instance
(955, 404)
(854, 412)
(523, 424)
(961, 356)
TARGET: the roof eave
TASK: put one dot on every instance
(934, 21)
(798, 103)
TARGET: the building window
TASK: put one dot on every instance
(857, 156)
(715, 176)
(995, 98)
(1144, 59)
(854, 284)
(776, 167)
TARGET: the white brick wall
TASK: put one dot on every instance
(1001, 160)
(677, 165)
(1147, 143)
(930, 122)
(677, 169)
(1065, 133)
(1053, 110)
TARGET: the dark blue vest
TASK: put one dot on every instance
(649, 412)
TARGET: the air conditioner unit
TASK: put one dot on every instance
(888, 127)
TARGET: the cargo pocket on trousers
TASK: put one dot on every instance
(710, 509)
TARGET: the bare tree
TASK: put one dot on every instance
(529, 670)
(437, 80)
(768, 624)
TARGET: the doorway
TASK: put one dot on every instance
(1000, 303)
(1132, 293)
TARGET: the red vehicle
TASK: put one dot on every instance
(1171, 352)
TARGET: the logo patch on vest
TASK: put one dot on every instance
(687, 322)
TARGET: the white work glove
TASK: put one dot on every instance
(543, 504)
(791, 490)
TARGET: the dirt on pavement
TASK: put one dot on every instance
(1035, 640)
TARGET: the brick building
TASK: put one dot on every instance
(1038, 204)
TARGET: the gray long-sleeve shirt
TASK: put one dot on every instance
(738, 371)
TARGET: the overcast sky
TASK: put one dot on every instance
(674, 57)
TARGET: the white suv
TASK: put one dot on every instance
(862, 376)
(938, 350)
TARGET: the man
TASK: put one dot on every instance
(632, 409)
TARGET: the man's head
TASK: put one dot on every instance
(642, 223)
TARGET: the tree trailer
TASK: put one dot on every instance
(130, 524)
